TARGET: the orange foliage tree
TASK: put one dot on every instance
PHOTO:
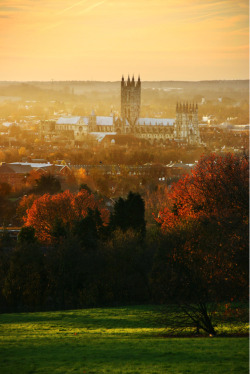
(204, 259)
(211, 207)
(66, 207)
(24, 205)
(32, 178)
(217, 189)
(154, 201)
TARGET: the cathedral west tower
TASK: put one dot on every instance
(186, 124)
(130, 100)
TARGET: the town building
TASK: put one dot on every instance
(16, 173)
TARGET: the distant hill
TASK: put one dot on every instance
(38, 89)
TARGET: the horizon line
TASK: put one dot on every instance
(115, 81)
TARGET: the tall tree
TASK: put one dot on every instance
(209, 211)
(129, 214)
(215, 197)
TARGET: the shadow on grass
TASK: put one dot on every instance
(77, 349)
(138, 317)
(59, 342)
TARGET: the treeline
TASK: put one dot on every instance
(78, 261)
(72, 254)
(87, 268)
(75, 273)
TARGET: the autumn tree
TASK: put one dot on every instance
(22, 151)
(65, 207)
(215, 197)
(23, 207)
(154, 200)
(209, 211)
(216, 189)
(32, 178)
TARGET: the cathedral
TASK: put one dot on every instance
(183, 128)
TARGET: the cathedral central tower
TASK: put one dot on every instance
(130, 100)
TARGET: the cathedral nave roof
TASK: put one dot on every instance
(156, 121)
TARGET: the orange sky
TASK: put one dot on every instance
(103, 39)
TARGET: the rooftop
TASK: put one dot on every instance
(104, 121)
(156, 121)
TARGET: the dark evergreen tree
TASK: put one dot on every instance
(129, 214)
(84, 186)
(47, 184)
(27, 235)
(86, 230)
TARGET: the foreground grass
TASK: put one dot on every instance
(110, 340)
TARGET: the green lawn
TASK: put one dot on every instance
(110, 340)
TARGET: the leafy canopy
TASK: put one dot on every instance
(65, 207)
(216, 189)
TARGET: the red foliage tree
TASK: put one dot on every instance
(211, 206)
(65, 206)
(24, 205)
(217, 189)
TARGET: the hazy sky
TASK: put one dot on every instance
(103, 39)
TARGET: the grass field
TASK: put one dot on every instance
(110, 340)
